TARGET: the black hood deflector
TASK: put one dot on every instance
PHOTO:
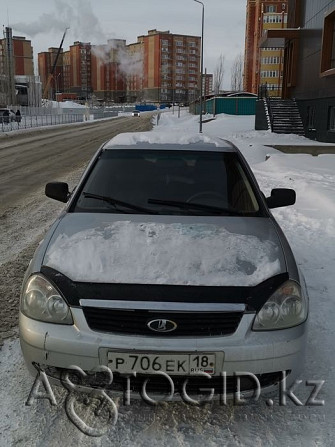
(253, 297)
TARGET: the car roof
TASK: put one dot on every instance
(216, 145)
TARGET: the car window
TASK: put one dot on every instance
(211, 179)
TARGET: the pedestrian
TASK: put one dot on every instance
(18, 116)
(6, 116)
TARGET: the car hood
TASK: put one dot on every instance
(175, 250)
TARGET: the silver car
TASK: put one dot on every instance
(167, 269)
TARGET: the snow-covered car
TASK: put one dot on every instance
(135, 113)
(166, 264)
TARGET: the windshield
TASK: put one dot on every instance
(168, 182)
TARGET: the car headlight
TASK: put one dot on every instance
(286, 308)
(41, 301)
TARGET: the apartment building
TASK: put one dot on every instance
(171, 66)
(46, 60)
(264, 65)
(22, 53)
(135, 71)
(107, 76)
(207, 84)
(159, 67)
(16, 59)
(309, 67)
(80, 70)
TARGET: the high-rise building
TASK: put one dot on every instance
(263, 65)
(53, 58)
(309, 66)
(80, 69)
(207, 84)
(171, 65)
(16, 59)
(134, 70)
(159, 67)
(22, 53)
(108, 78)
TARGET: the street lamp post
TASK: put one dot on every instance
(202, 62)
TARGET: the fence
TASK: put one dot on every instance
(29, 121)
(231, 105)
(42, 116)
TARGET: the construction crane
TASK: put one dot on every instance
(51, 74)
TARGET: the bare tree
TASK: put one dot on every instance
(237, 73)
(218, 74)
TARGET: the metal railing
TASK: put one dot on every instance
(30, 121)
(263, 94)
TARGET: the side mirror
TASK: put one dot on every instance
(281, 197)
(58, 191)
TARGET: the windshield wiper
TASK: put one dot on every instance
(195, 206)
(116, 203)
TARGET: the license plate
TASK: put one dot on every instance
(177, 364)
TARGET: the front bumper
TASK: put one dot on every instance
(54, 348)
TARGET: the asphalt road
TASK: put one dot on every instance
(28, 160)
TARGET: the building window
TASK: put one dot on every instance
(269, 74)
(311, 118)
(270, 8)
(271, 60)
(328, 45)
(331, 118)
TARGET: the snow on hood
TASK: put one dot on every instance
(163, 253)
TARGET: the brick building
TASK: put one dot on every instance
(107, 77)
(171, 65)
(159, 67)
(16, 59)
(46, 62)
(134, 69)
(309, 66)
(22, 53)
(80, 70)
(263, 66)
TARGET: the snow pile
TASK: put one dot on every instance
(152, 253)
(62, 104)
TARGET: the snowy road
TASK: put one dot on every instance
(28, 160)
(310, 227)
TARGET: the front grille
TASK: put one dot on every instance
(188, 323)
(157, 384)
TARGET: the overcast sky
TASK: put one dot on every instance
(95, 21)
